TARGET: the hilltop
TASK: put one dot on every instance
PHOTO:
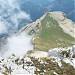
(52, 30)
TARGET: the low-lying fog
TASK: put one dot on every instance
(18, 45)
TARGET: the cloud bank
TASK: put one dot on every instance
(18, 45)
(10, 16)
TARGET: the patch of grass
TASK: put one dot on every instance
(51, 35)
(30, 51)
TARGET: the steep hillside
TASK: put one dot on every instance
(50, 31)
(51, 35)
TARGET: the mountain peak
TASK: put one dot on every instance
(52, 30)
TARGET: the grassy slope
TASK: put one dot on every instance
(49, 67)
(51, 35)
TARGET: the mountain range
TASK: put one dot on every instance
(38, 8)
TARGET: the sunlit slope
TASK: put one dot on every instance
(51, 35)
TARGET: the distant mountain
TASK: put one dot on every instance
(40, 2)
(33, 9)
(37, 8)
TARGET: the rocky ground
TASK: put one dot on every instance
(59, 61)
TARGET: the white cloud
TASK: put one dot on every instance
(18, 45)
(23, 15)
(11, 15)
(3, 28)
